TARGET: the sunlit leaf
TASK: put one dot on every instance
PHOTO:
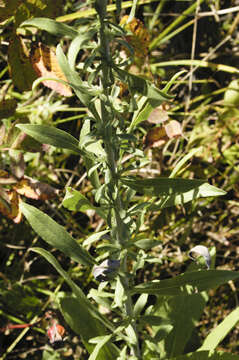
(55, 235)
(50, 135)
(220, 331)
(75, 201)
(188, 283)
(51, 26)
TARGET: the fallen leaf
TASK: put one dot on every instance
(173, 129)
(9, 205)
(138, 36)
(156, 137)
(158, 116)
(44, 62)
(35, 189)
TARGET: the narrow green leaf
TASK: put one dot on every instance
(53, 27)
(141, 115)
(55, 235)
(82, 90)
(188, 283)
(50, 135)
(180, 164)
(101, 341)
(76, 46)
(51, 259)
(140, 304)
(87, 327)
(95, 237)
(75, 201)
(221, 331)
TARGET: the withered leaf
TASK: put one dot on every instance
(173, 129)
(156, 137)
(158, 116)
(44, 62)
(9, 205)
(35, 189)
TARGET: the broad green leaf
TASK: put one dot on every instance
(75, 201)
(55, 235)
(167, 186)
(187, 284)
(206, 355)
(53, 27)
(87, 327)
(184, 310)
(204, 190)
(50, 135)
(221, 331)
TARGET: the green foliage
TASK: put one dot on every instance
(143, 208)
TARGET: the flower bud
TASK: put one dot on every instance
(106, 270)
(55, 333)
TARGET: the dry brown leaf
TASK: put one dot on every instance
(173, 129)
(158, 116)
(35, 189)
(139, 39)
(45, 64)
(9, 206)
(156, 137)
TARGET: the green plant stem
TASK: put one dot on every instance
(118, 232)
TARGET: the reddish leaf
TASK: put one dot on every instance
(45, 64)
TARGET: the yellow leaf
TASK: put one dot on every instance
(137, 37)
(9, 206)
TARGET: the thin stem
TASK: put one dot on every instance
(119, 229)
